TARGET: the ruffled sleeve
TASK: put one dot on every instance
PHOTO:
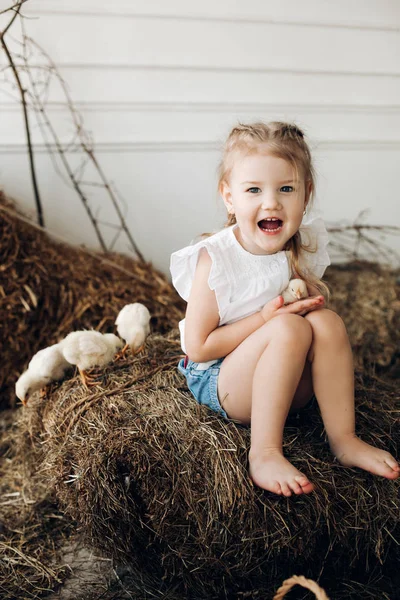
(183, 266)
(313, 232)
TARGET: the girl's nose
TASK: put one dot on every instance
(270, 201)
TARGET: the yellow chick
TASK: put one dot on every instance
(296, 290)
(89, 348)
(133, 325)
(45, 366)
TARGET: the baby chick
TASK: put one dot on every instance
(89, 348)
(28, 383)
(45, 366)
(296, 290)
(133, 325)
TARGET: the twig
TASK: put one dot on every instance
(64, 160)
(13, 6)
(17, 8)
(35, 96)
(83, 141)
(352, 239)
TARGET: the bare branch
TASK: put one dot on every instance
(25, 112)
(86, 146)
(16, 8)
(12, 7)
(80, 142)
(355, 241)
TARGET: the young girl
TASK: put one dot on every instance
(249, 357)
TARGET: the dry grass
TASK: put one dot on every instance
(48, 289)
(158, 482)
(143, 474)
(367, 297)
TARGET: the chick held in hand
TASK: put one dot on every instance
(133, 325)
(88, 349)
(296, 290)
(47, 365)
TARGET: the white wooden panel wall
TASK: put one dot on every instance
(160, 85)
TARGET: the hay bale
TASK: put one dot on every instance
(32, 527)
(161, 483)
(48, 289)
(367, 297)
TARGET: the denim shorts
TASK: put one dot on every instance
(203, 383)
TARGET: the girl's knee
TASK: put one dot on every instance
(293, 327)
(326, 321)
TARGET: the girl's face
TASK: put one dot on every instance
(262, 186)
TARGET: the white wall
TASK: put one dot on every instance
(160, 84)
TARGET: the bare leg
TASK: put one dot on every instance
(275, 380)
(333, 382)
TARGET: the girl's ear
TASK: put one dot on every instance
(309, 187)
(226, 196)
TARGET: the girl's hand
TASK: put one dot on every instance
(275, 307)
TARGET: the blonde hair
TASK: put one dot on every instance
(283, 140)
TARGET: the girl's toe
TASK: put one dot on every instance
(392, 462)
(306, 485)
(301, 480)
(386, 470)
(389, 473)
(276, 488)
(285, 489)
(295, 487)
(392, 474)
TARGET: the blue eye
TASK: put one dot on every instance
(256, 190)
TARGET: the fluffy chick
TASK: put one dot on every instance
(89, 348)
(296, 290)
(29, 383)
(133, 325)
(45, 366)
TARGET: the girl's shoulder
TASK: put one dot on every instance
(314, 255)
(313, 224)
(183, 264)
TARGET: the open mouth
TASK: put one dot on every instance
(270, 225)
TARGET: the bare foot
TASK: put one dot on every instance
(271, 471)
(353, 452)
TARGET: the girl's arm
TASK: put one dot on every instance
(226, 338)
(204, 340)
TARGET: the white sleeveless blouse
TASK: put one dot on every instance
(243, 282)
